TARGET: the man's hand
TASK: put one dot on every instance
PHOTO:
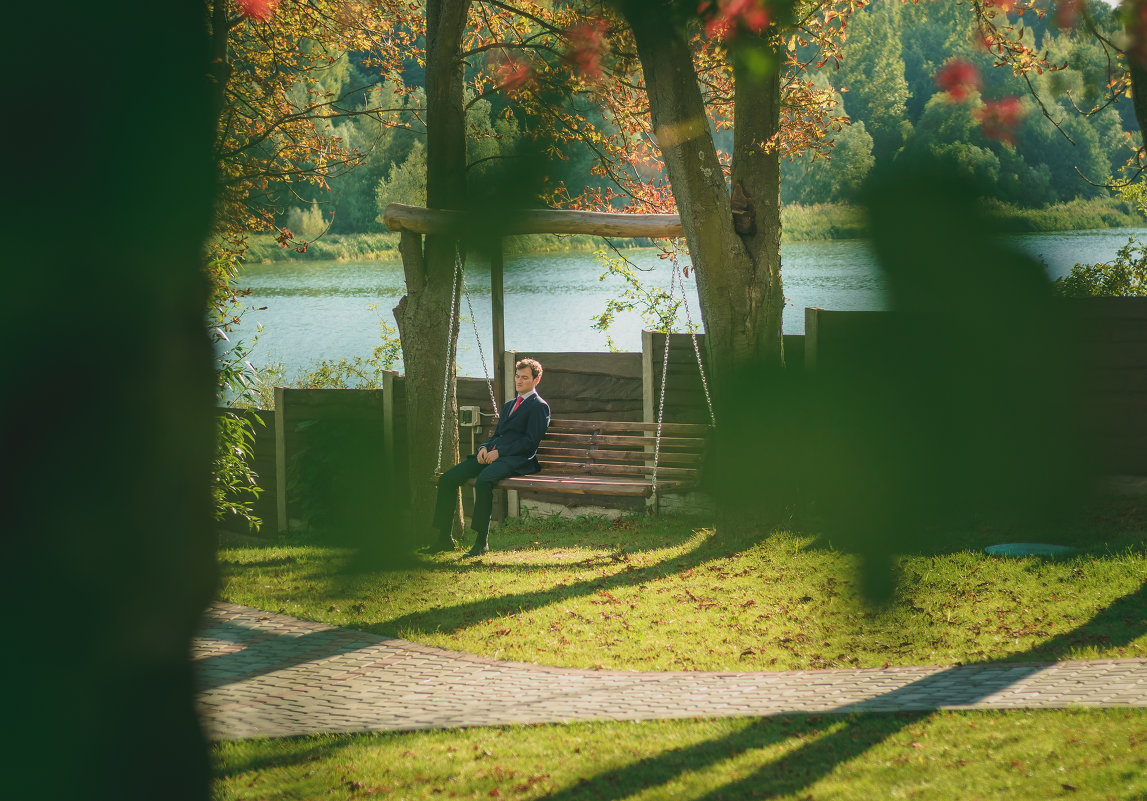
(492, 455)
(482, 453)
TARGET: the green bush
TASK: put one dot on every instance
(1125, 276)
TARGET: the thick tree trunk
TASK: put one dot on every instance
(738, 275)
(737, 260)
(423, 315)
(1138, 93)
(107, 438)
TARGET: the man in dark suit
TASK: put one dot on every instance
(512, 451)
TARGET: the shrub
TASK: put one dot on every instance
(1125, 276)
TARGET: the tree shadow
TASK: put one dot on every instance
(864, 725)
(267, 651)
(466, 611)
(787, 774)
(280, 752)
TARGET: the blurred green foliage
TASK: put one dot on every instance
(950, 407)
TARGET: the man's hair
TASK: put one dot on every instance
(534, 365)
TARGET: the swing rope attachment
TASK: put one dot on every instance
(451, 347)
(449, 360)
(676, 278)
(478, 339)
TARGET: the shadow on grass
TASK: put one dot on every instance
(868, 724)
(280, 753)
(788, 774)
(467, 612)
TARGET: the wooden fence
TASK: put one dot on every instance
(1113, 353)
(626, 386)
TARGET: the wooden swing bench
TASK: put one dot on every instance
(595, 457)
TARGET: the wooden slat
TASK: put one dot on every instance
(589, 485)
(683, 443)
(597, 455)
(683, 473)
(688, 429)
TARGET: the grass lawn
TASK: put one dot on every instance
(668, 595)
(1091, 755)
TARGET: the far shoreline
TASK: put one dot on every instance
(799, 224)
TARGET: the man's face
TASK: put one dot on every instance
(524, 380)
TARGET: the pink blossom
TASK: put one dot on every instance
(959, 78)
(733, 15)
(513, 73)
(1001, 119)
(587, 46)
(261, 10)
(1067, 13)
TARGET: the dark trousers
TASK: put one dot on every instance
(486, 475)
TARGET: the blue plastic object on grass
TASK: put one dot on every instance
(1028, 549)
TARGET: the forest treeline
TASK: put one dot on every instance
(885, 84)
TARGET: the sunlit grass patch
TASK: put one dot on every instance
(667, 594)
(945, 755)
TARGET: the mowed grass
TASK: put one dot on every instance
(644, 594)
(1095, 754)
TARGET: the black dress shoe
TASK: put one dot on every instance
(478, 549)
(441, 545)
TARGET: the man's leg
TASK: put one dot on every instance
(483, 502)
(446, 503)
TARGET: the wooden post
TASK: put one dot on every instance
(647, 390)
(281, 521)
(811, 331)
(648, 404)
(498, 315)
(388, 378)
(508, 358)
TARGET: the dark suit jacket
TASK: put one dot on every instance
(517, 435)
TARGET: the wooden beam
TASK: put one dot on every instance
(400, 217)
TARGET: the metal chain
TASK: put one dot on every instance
(449, 353)
(664, 374)
(478, 339)
(696, 347)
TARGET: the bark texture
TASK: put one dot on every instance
(423, 314)
(1138, 92)
(738, 275)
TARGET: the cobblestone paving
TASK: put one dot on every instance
(270, 675)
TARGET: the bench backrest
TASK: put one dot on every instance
(609, 448)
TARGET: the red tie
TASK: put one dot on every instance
(517, 403)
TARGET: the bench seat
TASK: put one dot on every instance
(596, 457)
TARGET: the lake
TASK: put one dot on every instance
(322, 310)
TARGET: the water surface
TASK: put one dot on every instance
(322, 310)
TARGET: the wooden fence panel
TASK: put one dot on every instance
(330, 444)
(684, 390)
(1113, 355)
(589, 386)
(1110, 358)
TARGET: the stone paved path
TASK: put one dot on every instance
(269, 675)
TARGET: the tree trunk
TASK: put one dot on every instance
(737, 262)
(108, 439)
(1138, 92)
(738, 275)
(423, 315)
